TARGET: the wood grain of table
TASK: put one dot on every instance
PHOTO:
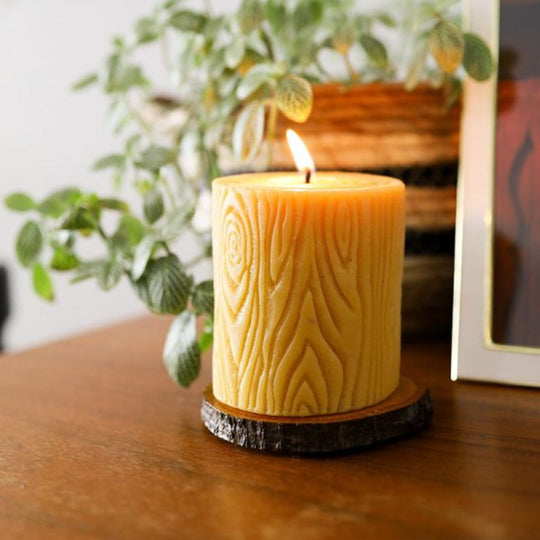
(97, 442)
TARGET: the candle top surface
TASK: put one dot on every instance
(320, 181)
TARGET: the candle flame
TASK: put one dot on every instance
(302, 157)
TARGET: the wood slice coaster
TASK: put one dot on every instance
(405, 411)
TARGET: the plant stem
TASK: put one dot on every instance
(350, 69)
(271, 132)
(268, 44)
(101, 233)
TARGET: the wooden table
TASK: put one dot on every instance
(96, 442)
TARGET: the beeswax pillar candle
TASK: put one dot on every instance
(307, 291)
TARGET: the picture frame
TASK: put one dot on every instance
(485, 343)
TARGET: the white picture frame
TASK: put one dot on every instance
(475, 356)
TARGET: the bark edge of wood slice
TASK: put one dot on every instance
(407, 410)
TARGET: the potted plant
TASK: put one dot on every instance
(233, 77)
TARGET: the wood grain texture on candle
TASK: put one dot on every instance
(308, 291)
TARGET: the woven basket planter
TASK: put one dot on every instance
(384, 129)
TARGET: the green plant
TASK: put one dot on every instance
(232, 75)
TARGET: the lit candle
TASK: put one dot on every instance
(307, 274)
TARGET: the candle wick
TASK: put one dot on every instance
(308, 175)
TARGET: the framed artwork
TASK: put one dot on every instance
(497, 275)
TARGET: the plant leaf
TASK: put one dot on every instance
(110, 203)
(147, 30)
(416, 67)
(276, 15)
(108, 274)
(132, 143)
(344, 38)
(115, 161)
(79, 219)
(29, 243)
(443, 5)
(294, 97)
(111, 69)
(64, 260)
(153, 205)
(168, 284)
(216, 66)
(187, 21)
(249, 131)
(235, 53)
(453, 90)
(171, 4)
(386, 19)
(85, 81)
(142, 255)
(250, 15)
(132, 75)
(128, 234)
(87, 270)
(175, 222)
(213, 25)
(19, 202)
(181, 353)
(447, 45)
(477, 59)
(375, 50)
(203, 298)
(118, 116)
(58, 202)
(307, 13)
(141, 289)
(41, 280)
(155, 157)
(124, 77)
(257, 76)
